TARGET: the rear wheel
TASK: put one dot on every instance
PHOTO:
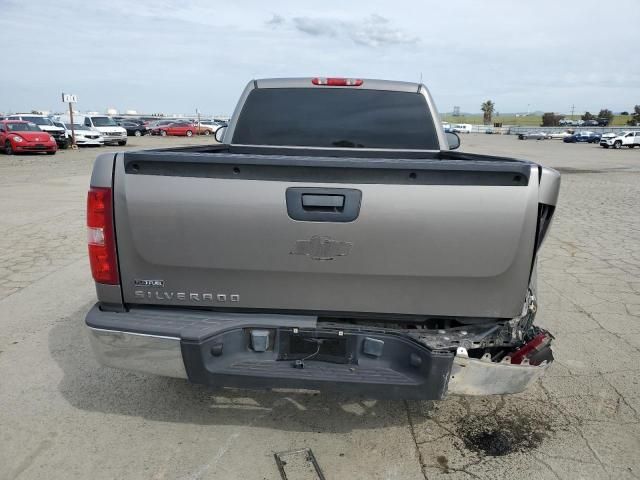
(163, 133)
(7, 148)
(137, 133)
(617, 145)
(207, 132)
(189, 133)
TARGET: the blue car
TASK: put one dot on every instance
(583, 137)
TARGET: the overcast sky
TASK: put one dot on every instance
(178, 55)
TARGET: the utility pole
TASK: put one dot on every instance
(573, 107)
(71, 99)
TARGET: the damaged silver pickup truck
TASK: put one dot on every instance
(332, 240)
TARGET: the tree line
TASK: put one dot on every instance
(552, 119)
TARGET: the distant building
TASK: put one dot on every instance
(456, 111)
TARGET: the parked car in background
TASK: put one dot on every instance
(46, 125)
(147, 120)
(67, 133)
(570, 123)
(591, 123)
(180, 129)
(85, 136)
(137, 121)
(19, 136)
(603, 122)
(559, 135)
(154, 127)
(113, 134)
(533, 136)
(210, 125)
(582, 137)
(462, 128)
(133, 129)
(619, 140)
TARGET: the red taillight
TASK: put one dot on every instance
(337, 82)
(100, 236)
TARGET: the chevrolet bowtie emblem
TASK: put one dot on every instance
(321, 248)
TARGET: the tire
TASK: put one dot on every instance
(207, 132)
(137, 133)
(617, 145)
(163, 133)
(7, 148)
(122, 144)
(189, 133)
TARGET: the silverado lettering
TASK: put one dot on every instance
(195, 297)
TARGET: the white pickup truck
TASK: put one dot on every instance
(629, 139)
(331, 241)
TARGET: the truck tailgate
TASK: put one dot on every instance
(428, 237)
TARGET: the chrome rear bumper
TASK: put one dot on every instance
(139, 352)
(195, 353)
(481, 376)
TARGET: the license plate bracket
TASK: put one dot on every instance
(311, 345)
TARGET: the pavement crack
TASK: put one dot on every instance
(415, 440)
(547, 466)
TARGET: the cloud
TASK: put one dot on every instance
(275, 20)
(316, 27)
(372, 31)
(376, 31)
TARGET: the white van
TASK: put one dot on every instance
(107, 126)
(462, 128)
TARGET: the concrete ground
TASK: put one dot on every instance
(62, 416)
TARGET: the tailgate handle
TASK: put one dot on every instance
(316, 204)
(327, 202)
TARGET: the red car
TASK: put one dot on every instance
(178, 128)
(17, 136)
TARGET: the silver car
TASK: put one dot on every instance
(534, 136)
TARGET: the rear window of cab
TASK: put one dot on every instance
(336, 118)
